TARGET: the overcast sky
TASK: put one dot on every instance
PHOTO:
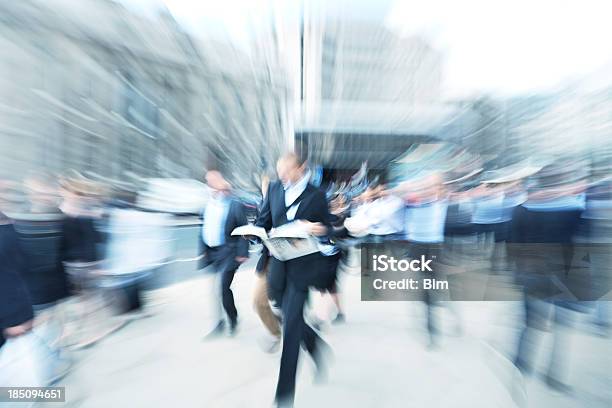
(504, 47)
(511, 46)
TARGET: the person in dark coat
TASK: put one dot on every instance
(294, 198)
(16, 312)
(543, 231)
(40, 232)
(218, 248)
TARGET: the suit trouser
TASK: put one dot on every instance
(227, 296)
(277, 282)
(430, 251)
(225, 267)
(262, 305)
(537, 314)
(295, 332)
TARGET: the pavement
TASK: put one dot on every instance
(380, 354)
(380, 357)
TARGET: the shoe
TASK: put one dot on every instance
(269, 344)
(339, 319)
(233, 328)
(432, 345)
(61, 368)
(321, 375)
(323, 358)
(525, 369)
(602, 330)
(557, 385)
(216, 331)
(316, 324)
(283, 403)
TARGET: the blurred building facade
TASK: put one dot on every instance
(367, 93)
(99, 89)
(364, 61)
(571, 121)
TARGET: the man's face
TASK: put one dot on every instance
(289, 171)
(216, 182)
(40, 193)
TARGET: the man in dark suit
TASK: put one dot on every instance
(261, 303)
(294, 198)
(20, 368)
(542, 245)
(218, 247)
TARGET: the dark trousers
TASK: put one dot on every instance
(430, 251)
(537, 314)
(295, 332)
(224, 263)
(132, 295)
(227, 296)
(277, 282)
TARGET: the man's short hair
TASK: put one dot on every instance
(299, 159)
(212, 171)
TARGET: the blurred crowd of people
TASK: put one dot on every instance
(542, 233)
(70, 237)
(545, 228)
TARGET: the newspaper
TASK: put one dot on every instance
(286, 242)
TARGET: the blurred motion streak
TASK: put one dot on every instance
(113, 112)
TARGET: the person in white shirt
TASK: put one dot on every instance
(425, 221)
(220, 249)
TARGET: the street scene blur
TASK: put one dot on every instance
(192, 194)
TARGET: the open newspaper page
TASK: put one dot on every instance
(251, 229)
(291, 241)
(286, 242)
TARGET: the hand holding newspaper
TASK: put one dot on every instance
(286, 242)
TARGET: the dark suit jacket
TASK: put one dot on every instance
(80, 239)
(41, 242)
(308, 270)
(235, 245)
(15, 304)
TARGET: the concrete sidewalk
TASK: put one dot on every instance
(380, 359)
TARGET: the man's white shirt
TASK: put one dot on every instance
(293, 192)
(215, 215)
